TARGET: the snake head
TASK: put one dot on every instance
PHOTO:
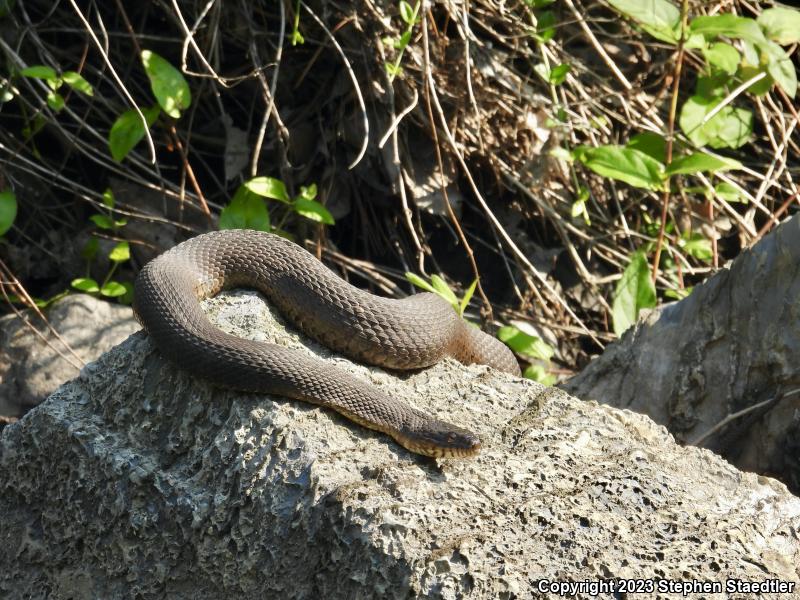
(439, 439)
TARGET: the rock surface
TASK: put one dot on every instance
(134, 480)
(32, 368)
(720, 368)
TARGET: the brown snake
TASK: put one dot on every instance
(398, 334)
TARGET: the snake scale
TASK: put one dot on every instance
(410, 333)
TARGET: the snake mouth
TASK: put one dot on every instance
(449, 442)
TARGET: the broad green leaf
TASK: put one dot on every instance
(761, 86)
(634, 292)
(545, 26)
(728, 25)
(624, 164)
(245, 211)
(113, 289)
(780, 67)
(730, 128)
(781, 25)
(269, 187)
(8, 210)
(55, 101)
(467, 297)
(40, 72)
(102, 221)
(659, 18)
(700, 162)
(539, 373)
(108, 198)
(85, 284)
(120, 253)
(78, 83)
(695, 244)
(750, 53)
(522, 343)
(128, 130)
(441, 287)
(420, 282)
(313, 210)
(723, 56)
(652, 144)
(168, 84)
(728, 192)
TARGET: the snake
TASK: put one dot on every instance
(397, 334)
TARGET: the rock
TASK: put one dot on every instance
(136, 480)
(31, 369)
(719, 368)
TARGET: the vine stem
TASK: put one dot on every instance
(673, 109)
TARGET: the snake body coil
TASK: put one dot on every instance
(398, 334)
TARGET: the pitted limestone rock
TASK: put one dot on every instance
(138, 480)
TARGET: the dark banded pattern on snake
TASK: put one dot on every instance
(410, 333)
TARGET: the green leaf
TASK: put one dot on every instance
(441, 288)
(467, 297)
(102, 221)
(634, 292)
(245, 211)
(420, 282)
(128, 130)
(407, 12)
(84, 284)
(728, 25)
(559, 74)
(762, 86)
(652, 144)
(624, 164)
(108, 198)
(695, 244)
(403, 41)
(392, 69)
(780, 67)
(168, 84)
(113, 289)
(55, 101)
(730, 128)
(723, 56)
(78, 83)
(313, 210)
(522, 343)
(120, 253)
(659, 18)
(539, 373)
(8, 210)
(309, 192)
(728, 192)
(781, 25)
(700, 162)
(40, 72)
(269, 187)
(545, 26)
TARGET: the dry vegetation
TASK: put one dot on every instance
(447, 167)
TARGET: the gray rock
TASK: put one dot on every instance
(136, 480)
(721, 367)
(32, 367)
